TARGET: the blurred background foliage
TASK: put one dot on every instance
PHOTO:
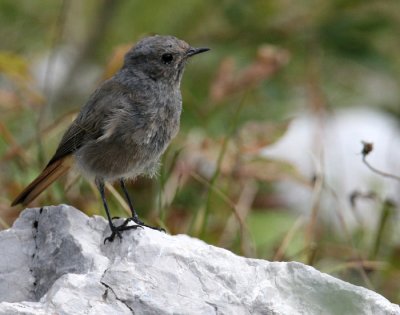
(269, 60)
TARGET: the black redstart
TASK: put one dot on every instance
(126, 125)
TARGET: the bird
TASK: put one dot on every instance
(125, 126)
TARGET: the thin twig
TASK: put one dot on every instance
(379, 172)
(243, 207)
(119, 198)
(368, 147)
(222, 195)
(4, 223)
(288, 238)
(57, 124)
(386, 212)
(219, 164)
(316, 201)
(355, 251)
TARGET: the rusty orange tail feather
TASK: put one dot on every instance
(46, 178)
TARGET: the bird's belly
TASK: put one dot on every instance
(124, 158)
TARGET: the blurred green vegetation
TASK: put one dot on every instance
(269, 59)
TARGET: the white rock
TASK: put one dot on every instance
(59, 265)
(332, 145)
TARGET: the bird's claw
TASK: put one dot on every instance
(142, 224)
(116, 231)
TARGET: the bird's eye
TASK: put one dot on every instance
(167, 58)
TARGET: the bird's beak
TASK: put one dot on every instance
(194, 51)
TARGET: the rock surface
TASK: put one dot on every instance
(53, 261)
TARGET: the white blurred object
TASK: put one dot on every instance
(51, 70)
(332, 146)
(53, 73)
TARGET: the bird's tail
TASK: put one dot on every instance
(47, 177)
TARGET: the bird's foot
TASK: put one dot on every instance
(116, 230)
(141, 223)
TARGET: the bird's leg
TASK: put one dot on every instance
(135, 217)
(100, 187)
(115, 230)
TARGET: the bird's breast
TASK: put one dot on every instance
(162, 127)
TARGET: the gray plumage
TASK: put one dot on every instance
(127, 123)
(131, 118)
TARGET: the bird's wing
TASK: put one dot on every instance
(92, 124)
(92, 121)
(70, 142)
